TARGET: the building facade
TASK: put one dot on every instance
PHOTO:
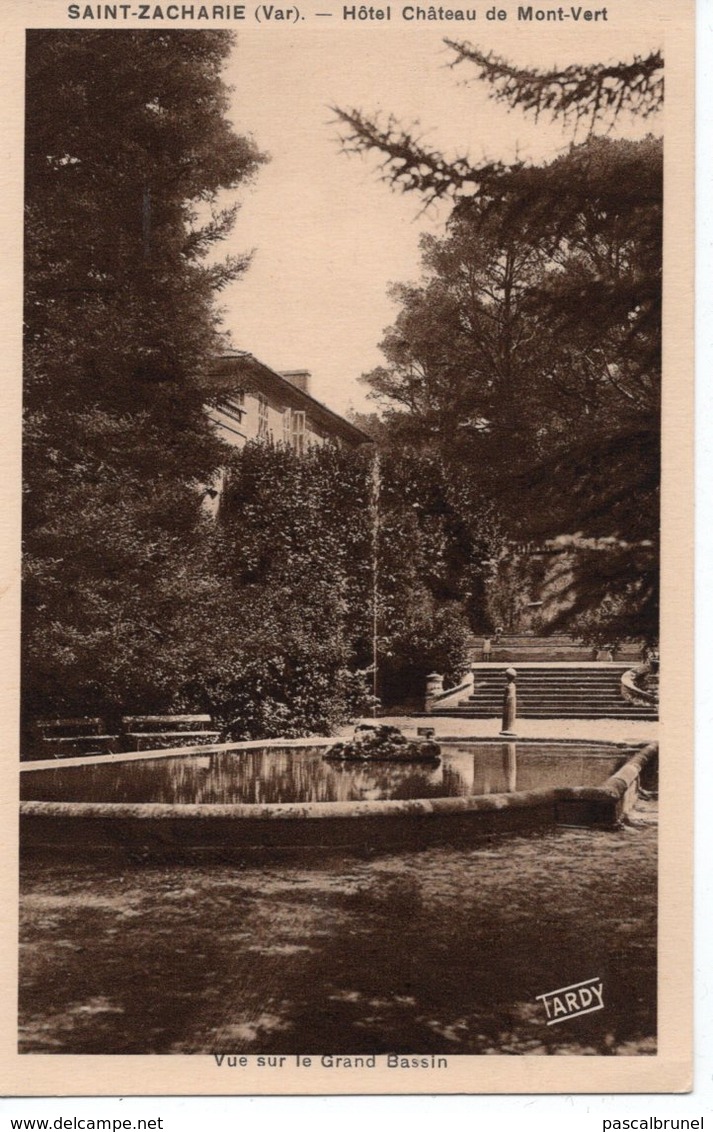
(255, 402)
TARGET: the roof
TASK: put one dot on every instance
(243, 371)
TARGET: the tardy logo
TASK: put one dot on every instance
(571, 1001)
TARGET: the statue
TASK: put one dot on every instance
(509, 702)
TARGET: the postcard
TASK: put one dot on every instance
(348, 528)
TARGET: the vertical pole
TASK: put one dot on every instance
(375, 490)
(146, 221)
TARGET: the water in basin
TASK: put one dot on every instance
(272, 774)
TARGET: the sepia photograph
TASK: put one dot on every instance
(343, 626)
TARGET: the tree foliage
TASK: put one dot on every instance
(460, 355)
(133, 599)
(319, 553)
(597, 93)
(126, 147)
(530, 354)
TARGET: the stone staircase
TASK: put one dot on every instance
(518, 647)
(551, 691)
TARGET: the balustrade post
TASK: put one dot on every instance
(434, 688)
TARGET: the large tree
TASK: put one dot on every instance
(554, 368)
(127, 153)
(461, 354)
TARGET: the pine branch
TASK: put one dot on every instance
(407, 165)
(598, 92)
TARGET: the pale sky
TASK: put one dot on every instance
(329, 237)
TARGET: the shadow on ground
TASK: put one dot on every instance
(440, 951)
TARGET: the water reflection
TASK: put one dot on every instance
(510, 765)
(300, 775)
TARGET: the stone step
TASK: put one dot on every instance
(546, 673)
(631, 712)
(551, 691)
(552, 707)
(544, 693)
(578, 691)
(532, 694)
(566, 671)
(554, 681)
(551, 676)
(548, 676)
(550, 701)
(563, 667)
(551, 697)
(553, 711)
(609, 681)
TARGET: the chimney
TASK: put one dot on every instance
(300, 378)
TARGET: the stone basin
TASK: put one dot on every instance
(232, 796)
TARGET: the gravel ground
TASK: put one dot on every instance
(614, 730)
(440, 951)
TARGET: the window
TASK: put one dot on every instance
(263, 430)
(298, 431)
(234, 407)
(286, 427)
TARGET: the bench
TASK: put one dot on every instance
(158, 732)
(64, 738)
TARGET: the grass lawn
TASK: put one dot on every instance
(442, 951)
